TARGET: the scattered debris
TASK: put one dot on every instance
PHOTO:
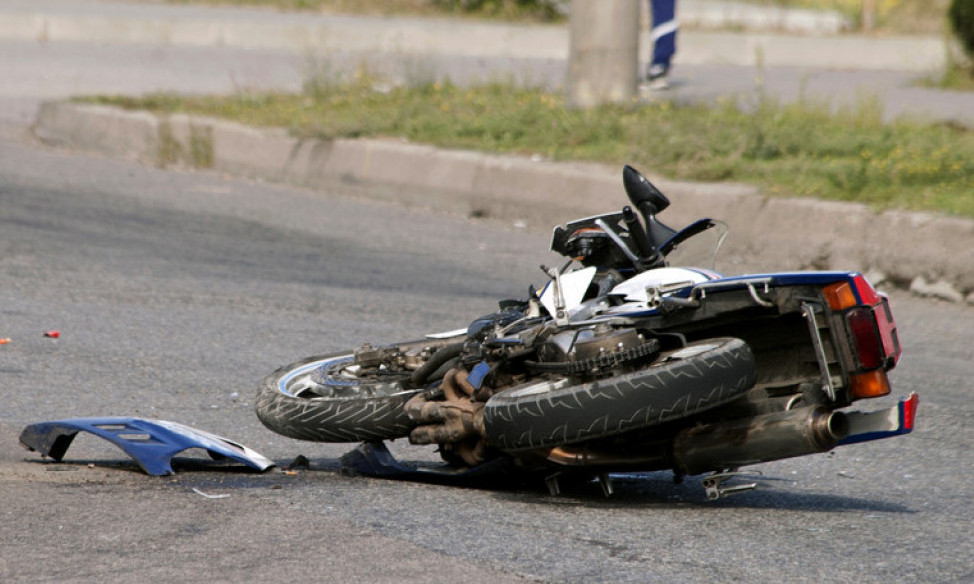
(52, 334)
(209, 496)
(151, 443)
(5, 341)
(300, 462)
(940, 289)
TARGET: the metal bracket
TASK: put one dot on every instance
(828, 387)
(560, 315)
(553, 484)
(606, 483)
(758, 299)
(619, 242)
(656, 296)
(714, 484)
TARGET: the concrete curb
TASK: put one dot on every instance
(931, 255)
(741, 15)
(912, 54)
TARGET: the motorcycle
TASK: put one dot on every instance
(635, 356)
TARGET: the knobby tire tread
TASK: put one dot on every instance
(663, 392)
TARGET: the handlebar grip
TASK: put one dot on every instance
(644, 248)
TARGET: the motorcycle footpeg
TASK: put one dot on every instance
(716, 489)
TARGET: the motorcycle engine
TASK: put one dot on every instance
(594, 350)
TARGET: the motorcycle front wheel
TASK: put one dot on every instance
(318, 399)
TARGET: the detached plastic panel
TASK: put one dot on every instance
(151, 443)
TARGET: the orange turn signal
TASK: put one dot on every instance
(870, 384)
(839, 296)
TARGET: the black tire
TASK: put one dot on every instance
(361, 414)
(545, 414)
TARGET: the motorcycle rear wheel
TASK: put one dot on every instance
(292, 403)
(555, 412)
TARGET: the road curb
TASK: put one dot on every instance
(928, 253)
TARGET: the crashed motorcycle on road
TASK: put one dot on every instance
(635, 356)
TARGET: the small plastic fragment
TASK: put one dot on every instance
(52, 334)
(4, 341)
(209, 496)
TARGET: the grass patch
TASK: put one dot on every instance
(801, 149)
(953, 78)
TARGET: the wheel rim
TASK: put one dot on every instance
(298, 381)
(328, 378)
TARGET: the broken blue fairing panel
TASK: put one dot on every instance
(152, 443)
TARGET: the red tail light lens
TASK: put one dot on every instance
(887, 331)
(866, 292)
(869, 348)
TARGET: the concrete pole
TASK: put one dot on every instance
(603, 59)
(868, 15)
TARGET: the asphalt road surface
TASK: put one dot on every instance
(175, 293)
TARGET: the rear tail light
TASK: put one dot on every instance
(868, 345)
(871, 332)
(887, 331)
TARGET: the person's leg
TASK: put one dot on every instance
(664, 39)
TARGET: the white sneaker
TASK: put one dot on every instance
(658, 77)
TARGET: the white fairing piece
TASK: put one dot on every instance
(661, 279)
(573, 288)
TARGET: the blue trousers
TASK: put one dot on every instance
(664, 31)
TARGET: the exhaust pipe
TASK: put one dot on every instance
(763, 438)
(720, 446)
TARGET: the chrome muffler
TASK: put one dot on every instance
(720, 446)
(763, 438)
